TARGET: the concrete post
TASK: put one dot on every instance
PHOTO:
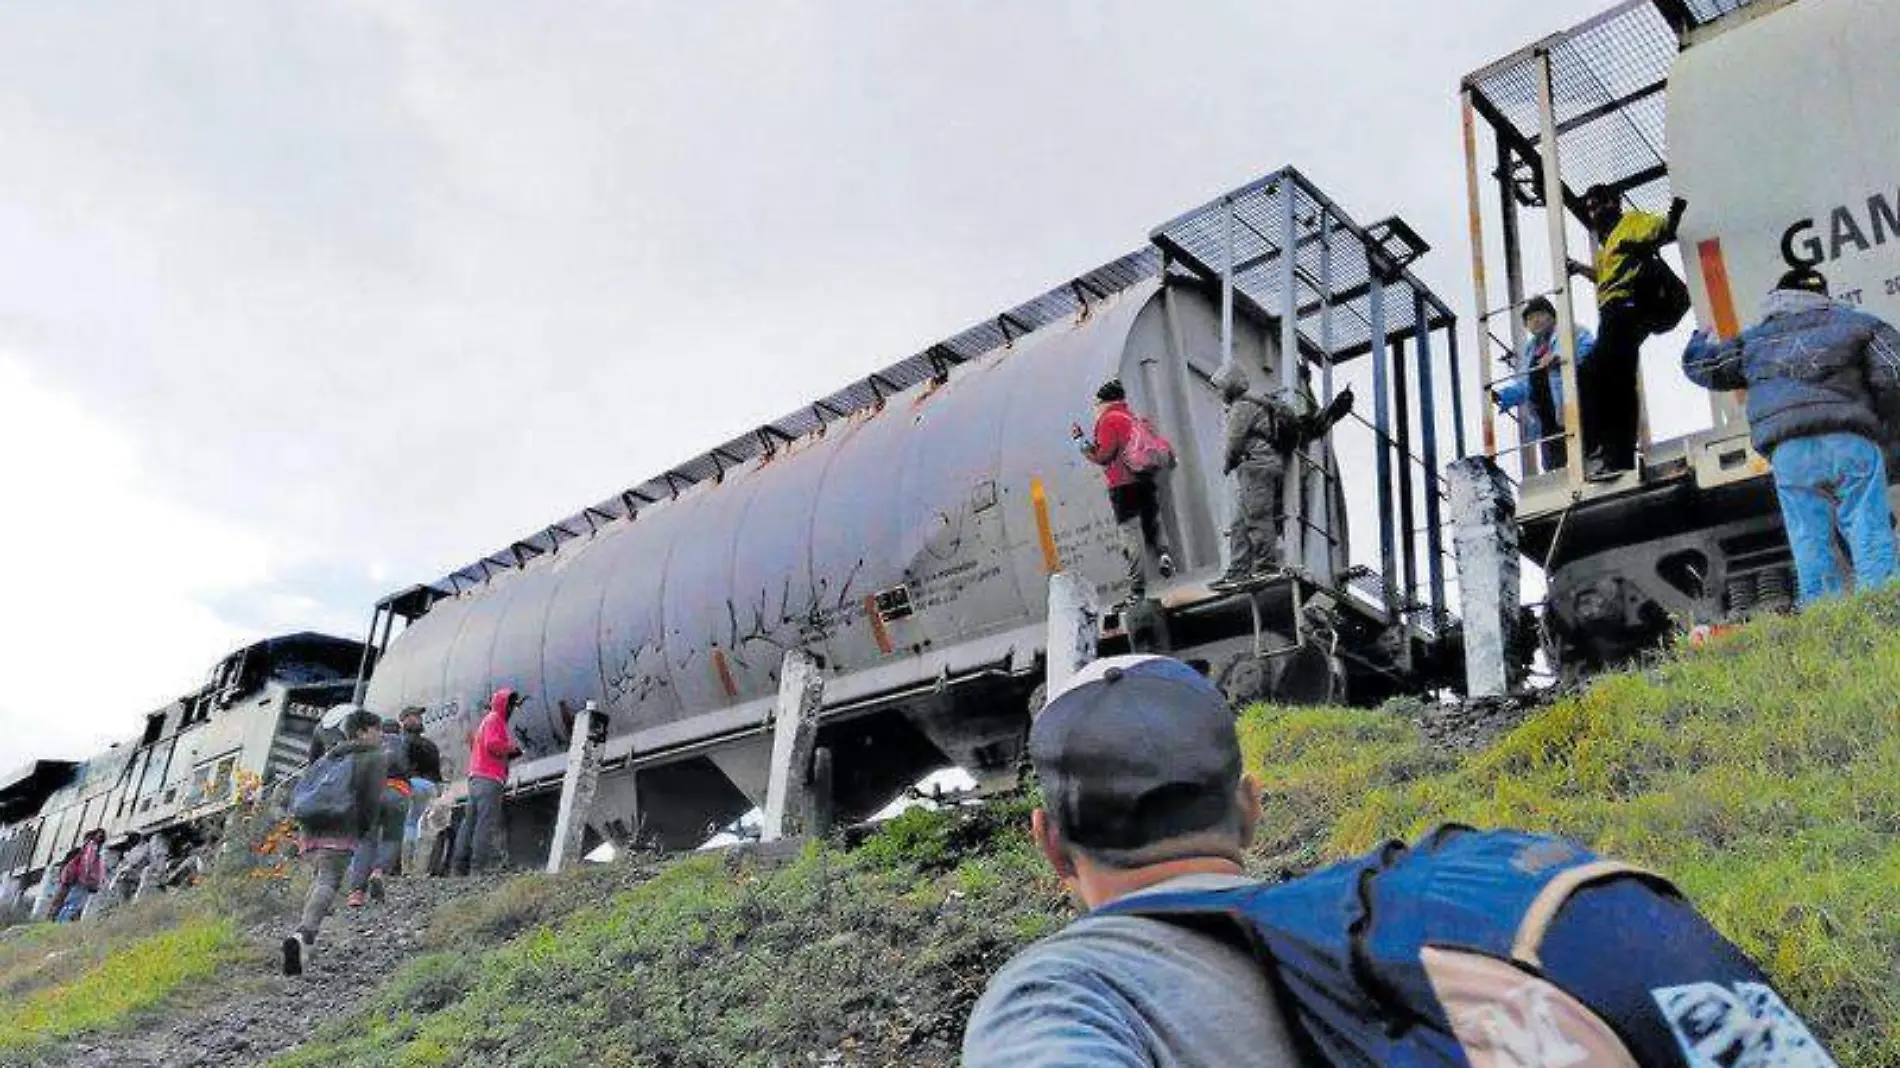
(49, 884)
(578, 787)
(789, 804)
(1075, 629)
(1484, 531)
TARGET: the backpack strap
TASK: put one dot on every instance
(1550, 900)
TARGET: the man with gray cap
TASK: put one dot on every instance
(1141, 777)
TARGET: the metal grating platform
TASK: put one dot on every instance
(1608, 78)
(1334, 260)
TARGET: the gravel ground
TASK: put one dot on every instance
(252, 1021)
(1468, 725)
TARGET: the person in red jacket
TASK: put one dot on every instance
(488, 758)
(1133, 496)
(82, 876)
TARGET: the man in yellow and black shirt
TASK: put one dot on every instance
(1626, 243)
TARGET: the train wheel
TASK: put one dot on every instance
(1246, 680)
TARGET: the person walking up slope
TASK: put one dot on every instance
(488, 758)
(378, 853)
(336, 804)
(1823, 383)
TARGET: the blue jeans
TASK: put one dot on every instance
(378, 850)
(75, 903)
(1831, 480)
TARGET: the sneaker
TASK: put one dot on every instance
(293, 955)
(1227, 583)
(376, 889)
(357, 897)
(1166, 566)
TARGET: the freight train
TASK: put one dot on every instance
(252, 719)
(902, 530)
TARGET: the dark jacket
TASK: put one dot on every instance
(1265, 430)
(368, 769)
(425, 759)
(1811, 366)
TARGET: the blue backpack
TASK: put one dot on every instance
(326, 794)
(1499, 949)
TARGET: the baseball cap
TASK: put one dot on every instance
(1136, 750)
(1806, 279)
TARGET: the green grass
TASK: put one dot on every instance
(1762, 775)
(125, 980)
(727, 961)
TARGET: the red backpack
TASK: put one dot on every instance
(1146, 451)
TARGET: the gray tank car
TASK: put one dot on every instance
(906, 545)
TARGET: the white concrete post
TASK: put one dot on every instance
(49, 884)
(801, 696)
(1484, 530)
(578, 787)
(1075, 629)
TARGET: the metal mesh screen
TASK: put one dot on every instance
(1607, 82)
(1333, 263)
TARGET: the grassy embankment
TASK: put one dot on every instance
(1763, 774)
(68, 979)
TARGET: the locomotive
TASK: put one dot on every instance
(251, 720)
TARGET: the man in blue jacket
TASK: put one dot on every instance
(1823, 383)
(1537, 389)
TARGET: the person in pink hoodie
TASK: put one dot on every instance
(488, 757)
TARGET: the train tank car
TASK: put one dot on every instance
(906, 544)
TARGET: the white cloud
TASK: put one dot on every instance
(102, 580)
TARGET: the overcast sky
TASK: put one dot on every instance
(303, 302)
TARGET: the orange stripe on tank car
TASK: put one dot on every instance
(882, 635)
(1721, 293)
(725, 673)
(1039, 500)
